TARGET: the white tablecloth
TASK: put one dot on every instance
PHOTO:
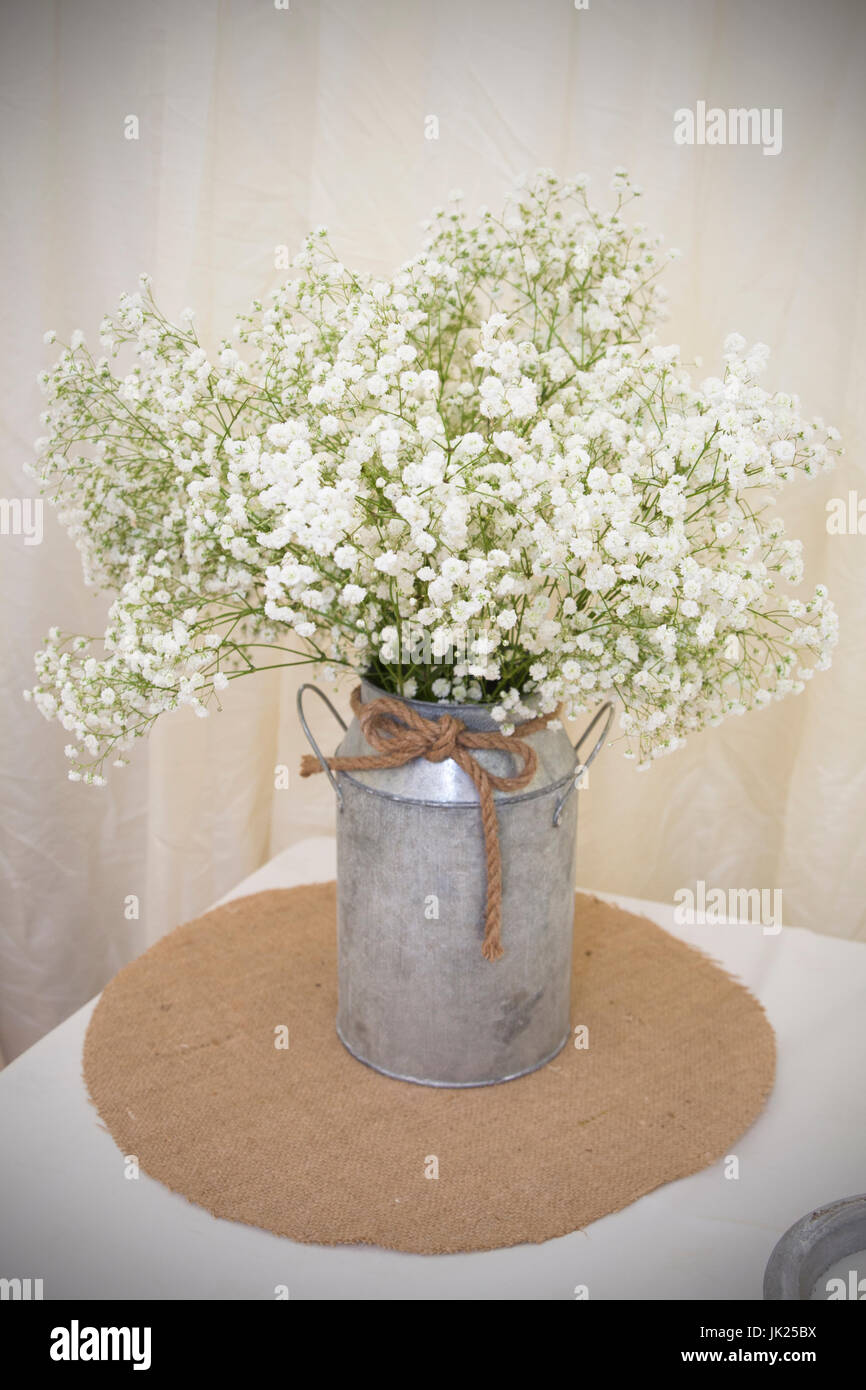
(70, 1217)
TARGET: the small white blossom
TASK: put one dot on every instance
(530, 485)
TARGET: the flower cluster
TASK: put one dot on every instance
(480, 479)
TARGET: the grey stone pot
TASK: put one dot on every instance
(812, 1245)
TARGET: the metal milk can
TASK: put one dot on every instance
(417, 1000)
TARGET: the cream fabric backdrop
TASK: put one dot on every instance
(258, 122)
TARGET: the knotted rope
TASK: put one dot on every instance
(400, 734)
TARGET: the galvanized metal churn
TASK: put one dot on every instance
(417, 1000)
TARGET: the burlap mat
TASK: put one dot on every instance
(181, 1062)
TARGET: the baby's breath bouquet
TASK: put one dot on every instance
(481, 479)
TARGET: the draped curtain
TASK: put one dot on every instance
(257, 121)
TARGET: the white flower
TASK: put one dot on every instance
(388, 563)
(440, 591)
(522, 398)
(735, 343)
(352, 594)
(361, 460)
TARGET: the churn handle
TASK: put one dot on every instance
(312, 742)
(606, 708)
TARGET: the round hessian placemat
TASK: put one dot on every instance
(181, 1063)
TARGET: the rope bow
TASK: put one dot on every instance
(400, 734)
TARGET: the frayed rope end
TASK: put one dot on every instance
(492, 949)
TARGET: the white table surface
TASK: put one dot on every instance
(69, 1217)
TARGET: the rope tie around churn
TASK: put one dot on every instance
(400, 734)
